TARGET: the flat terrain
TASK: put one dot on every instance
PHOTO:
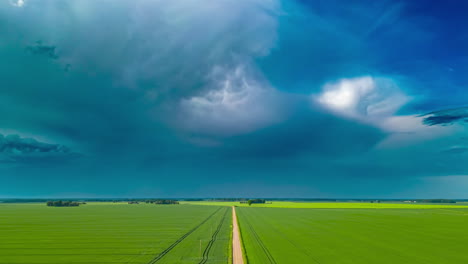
(334, 236)
(114, 233)
(344, 205)
(287, 232)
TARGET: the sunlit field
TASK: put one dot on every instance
(343, 205)
(335, 236)
(200, 232)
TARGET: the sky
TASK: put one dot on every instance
(229, 98)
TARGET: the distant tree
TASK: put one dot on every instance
(255, 201)
(167, 201)
(62, 203)
(436, 201)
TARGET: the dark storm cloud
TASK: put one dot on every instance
(447, 117)
(12, 144)
(43, 50)
(225, 89)
(125, 76)
(306, 133)
(16, 149)
(136, 42)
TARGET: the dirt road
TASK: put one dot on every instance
(236, 240)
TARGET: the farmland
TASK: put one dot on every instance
(282, 235)
(335, 205)
(200, 232)
(114, 233)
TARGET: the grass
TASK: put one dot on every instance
(281, 232)
(113, 233)
(334, 236)
(331, 205)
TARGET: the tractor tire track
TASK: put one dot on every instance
(164, 252)
(260, 242)
(213, 239)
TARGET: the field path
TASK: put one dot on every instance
(236, 240)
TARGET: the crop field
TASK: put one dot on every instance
(114, 233)
(281, 232)
(337, 205)
(333, 236)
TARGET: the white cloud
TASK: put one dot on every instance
(364, 98)
(344, 96)
(375, 101)
(410, 130)
(18, 3)
(236, 102)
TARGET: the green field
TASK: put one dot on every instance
(281, 232)
(114, 233)
(337, 205)
(333, 236)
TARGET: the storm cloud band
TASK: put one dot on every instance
(254, 91)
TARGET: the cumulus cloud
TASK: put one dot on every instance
(376, 102)
(18, 3)
(364, 98)
(236, 102)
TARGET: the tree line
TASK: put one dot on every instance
(162, 201)
(63, 203)
(254, 201)
(436, 201)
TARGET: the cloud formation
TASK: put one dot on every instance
(237, 102)
(14, 144)
(18, 3)
(447, 117)
(363, 98)
(16, 149)
(44, 50)
(316, 91)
